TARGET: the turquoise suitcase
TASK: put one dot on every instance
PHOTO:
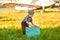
(33, 31)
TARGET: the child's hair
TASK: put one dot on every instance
(31, 12)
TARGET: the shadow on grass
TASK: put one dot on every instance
(5, 18)
(16, 34)
(48, 11)
(52, 11)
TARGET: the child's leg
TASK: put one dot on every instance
(24, 25)
(23, 28)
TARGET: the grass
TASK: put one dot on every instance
(16, 34)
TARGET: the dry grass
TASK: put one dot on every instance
(10, 18)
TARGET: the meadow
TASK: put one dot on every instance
(10, 24)
(10, 17)
(16, 34)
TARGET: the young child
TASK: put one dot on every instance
(27, 21)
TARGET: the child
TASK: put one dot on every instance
(27, 21)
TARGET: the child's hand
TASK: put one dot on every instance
(31, 24)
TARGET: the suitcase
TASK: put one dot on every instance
(33, 31)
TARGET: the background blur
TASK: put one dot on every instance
(10, 21)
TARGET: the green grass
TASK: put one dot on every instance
(16, 34)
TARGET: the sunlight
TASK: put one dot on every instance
(23, 8)
(45, 2)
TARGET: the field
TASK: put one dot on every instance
(14, 34)
(10, 18)
(10, 24)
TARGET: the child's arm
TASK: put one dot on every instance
(30, 23)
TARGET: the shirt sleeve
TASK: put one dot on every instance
(29, 19)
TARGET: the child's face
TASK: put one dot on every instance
(30, 15)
